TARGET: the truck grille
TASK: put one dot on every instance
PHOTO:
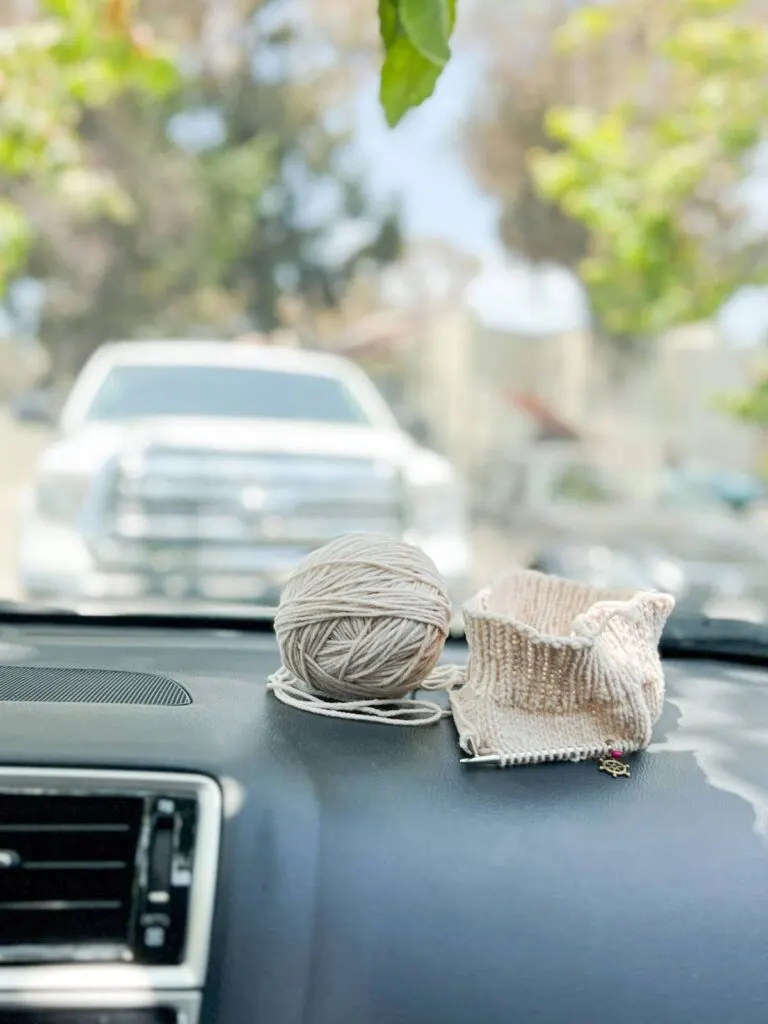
(243, 513)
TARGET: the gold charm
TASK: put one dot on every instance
(614, 767)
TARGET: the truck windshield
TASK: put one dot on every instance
(140, 391)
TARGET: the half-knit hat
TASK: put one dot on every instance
(559, 670)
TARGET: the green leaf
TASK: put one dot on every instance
(588, 25)
(90, 194)
(156, 76)
(389, 22)
(14, 239)
(408, 78)
(428, 24)
(711, 6)
(415, 35)
(554, 174)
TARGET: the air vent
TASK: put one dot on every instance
(107, 885)
(89, 686)
(67, 868)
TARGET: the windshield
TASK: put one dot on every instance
(269, 275)
(136, 392)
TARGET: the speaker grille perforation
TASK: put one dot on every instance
(58, 685)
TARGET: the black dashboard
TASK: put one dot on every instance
(366, 876)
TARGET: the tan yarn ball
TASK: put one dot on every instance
(363, 617)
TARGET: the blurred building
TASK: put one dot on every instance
(488, 396)
(696, 368)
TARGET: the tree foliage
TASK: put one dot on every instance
(77, 55)
(656, 184)
(525, 77)
(228, 185)
(751, 406)
(76, 58)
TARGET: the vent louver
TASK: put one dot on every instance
(67, 867)
(107, 885)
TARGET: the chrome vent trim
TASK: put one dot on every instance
(185, 1004)
(75, 978)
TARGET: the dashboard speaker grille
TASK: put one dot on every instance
(89, 686)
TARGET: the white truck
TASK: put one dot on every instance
(195, 475)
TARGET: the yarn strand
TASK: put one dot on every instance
(397, 711)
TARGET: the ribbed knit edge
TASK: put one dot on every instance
(587, 683)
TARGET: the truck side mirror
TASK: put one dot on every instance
(419, 430)
(35, 407)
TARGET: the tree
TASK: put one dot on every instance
(76, 55)
(656, 185)
(222, 173)
(751, 407)
(63, 59)
(525, 77)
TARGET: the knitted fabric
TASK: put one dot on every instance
(559, 670)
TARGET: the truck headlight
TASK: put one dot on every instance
(438, 509)
(60, 497)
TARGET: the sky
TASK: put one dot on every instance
(420, 164)
(420, 161)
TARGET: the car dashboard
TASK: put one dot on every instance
(341, 871)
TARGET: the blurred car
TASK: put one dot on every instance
(737, 491)
(200, 473)
(688, 539)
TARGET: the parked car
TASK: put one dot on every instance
(689, 542)
(691, 531)
(202, 472)
(705, 578)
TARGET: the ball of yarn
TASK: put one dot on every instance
(363, 617)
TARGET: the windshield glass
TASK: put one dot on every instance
(502, 295)
(136, 392)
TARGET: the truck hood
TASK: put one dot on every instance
(86, 450)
